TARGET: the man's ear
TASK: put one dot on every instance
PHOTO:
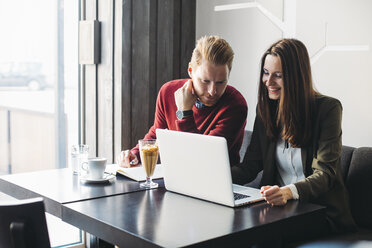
(189, 70)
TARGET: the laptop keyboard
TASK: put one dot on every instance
(238, 196)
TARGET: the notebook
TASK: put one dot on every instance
(198, 165)
(136, 173)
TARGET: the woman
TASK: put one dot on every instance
(296, 139)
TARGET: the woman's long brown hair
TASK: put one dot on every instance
(289, 117)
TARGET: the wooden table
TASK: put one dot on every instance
(123, 214)
(60, 186)
(159, 218)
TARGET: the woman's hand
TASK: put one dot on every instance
(127, 159)
(275, 195)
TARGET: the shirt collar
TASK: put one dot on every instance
(199, 104)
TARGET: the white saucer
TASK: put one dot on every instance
(107, 178)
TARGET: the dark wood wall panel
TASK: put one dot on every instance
(144, 44)
(188, 17)
(168, 36)
(140, 67)
(153, 68)
(157, 46)
(126, 91)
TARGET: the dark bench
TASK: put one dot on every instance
(356, 169)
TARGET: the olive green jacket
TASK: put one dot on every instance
(323, 183)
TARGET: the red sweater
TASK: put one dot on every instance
(226, 118)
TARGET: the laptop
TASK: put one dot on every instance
(198, 165)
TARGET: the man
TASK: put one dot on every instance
(204, 104)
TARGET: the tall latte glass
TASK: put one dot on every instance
(149, 152)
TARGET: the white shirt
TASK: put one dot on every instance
(289, 164)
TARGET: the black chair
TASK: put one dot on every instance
(23, 224)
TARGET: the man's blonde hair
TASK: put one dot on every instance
(212, 49)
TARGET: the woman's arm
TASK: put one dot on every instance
(328, 154)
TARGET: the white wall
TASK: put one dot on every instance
(337, 33)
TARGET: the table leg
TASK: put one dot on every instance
(95, 242)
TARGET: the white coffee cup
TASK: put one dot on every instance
(95, 168)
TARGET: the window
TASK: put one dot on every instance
(39, 89)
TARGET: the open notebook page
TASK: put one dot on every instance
(136, 173)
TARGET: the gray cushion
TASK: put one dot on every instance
(347, 152)
(256, 182)
(359, 185)
(350, 240)
(246, 140)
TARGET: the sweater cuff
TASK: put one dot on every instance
(186, 125)
(294, 191)
(135, 151)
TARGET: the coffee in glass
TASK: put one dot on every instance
(149, 152)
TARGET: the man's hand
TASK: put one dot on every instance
(276, 195)
(185, 96)
(127, 159)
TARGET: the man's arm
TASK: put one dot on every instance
(159, 122)
(227, 120)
